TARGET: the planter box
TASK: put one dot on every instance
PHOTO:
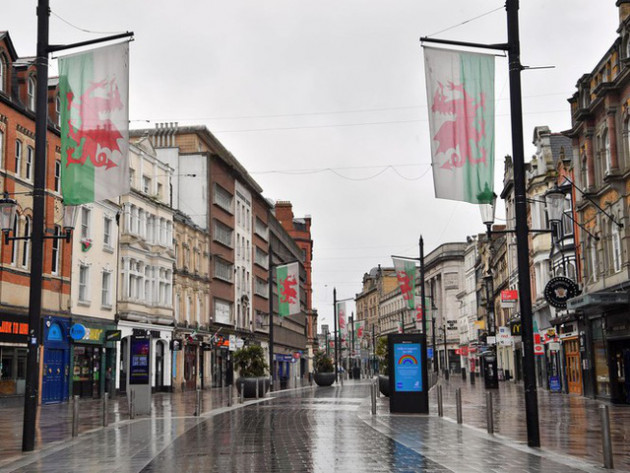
(249, 385)
(324, 379)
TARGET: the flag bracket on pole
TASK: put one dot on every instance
(53, 48)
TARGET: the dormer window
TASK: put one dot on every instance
(30, 93)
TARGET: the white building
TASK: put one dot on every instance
(93, 296)
(243, 259)
(146, 259)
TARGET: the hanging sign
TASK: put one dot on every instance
(559, 290)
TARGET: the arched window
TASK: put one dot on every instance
(607, 153)
(26, 247)
(592, 259)
(30, 92)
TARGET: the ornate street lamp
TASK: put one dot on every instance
(554, 200)
(487, 211)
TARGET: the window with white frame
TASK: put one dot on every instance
(223, 198)
(30, 92)
(592, 259)
(58, 110)
(26, 243)
(261, 258)
(84, 283)
(85, 222)
(148, 278)
(1, 147)
(28, 168)
(223, 270)
(222, 311)
(261, 288)
(107, 231)
(223, 233)
(261, 229)
(616, 247)
(18, 157)
(146, 184)
(106, 289)
(57, 176)
(567, 217)
(607, 152)
(54, 269)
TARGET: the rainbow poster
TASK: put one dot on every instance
(408, 367)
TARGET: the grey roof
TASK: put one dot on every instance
(558, 142)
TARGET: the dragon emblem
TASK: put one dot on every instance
(405, 284)
(459, 133)
(287, 292)
(96, 137)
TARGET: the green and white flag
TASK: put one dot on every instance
(94, 92)
(342, 320)
(288, 283)
(406, 275)
(460, 95)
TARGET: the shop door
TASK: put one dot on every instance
(53, 388)
(620, 372)
(159, 366)
(190, 366)
(574, 370)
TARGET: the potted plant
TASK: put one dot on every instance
(252, 367)
(324, 370)
(382, 353)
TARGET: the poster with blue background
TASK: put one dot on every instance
(408, 367)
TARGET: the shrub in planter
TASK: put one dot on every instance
(324, 370)
(252, 367)
(382, 353)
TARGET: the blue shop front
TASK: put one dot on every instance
(56, 360)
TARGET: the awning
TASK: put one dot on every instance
(598, 299)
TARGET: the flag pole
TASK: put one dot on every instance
(512, 47)
(336, 334)
(271, 367)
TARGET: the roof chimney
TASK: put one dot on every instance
(624, 10)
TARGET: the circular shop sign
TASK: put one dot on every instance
(77, 332)
(559, 290)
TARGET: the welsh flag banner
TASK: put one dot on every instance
(288, 279)
(342, 321)
(94, 92)
(406, 275)
(358, 328)
(460, 95)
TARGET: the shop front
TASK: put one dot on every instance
(93, 357)
(221, 362)
(56, 368)
(13, 333)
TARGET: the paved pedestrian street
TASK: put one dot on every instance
(307, 429)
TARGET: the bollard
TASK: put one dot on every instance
(606, 439)
(242, 393)
(132, 408)
(458, 402)
(489, 413)
(230, 394)
(439, 400)
(105, 411)
(198, 403)
(75, 417)
(378, 389)
(257, 395)
(373, 390)
(472, 378)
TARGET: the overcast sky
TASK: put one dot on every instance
(324, 101)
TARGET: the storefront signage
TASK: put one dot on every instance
(287, 358)
(13, 328)
(408, 367)
(77, 331)
(509, 298)
(113, 335)
(603, 298)
(559, 290)
(515, 329)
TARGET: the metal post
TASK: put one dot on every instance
(489, 413)
(440, 402)
(105, 411)
(271, 366)
(230, 394)
(31, 395)
(606, 439)
(336, 335)
(198, 403)
(458, 403)
(257, 396)
(423, 305)
(373, 390)
(75, 416)
(242, 393)
(378, 390)
(132, 407)
(522, 244)
(445, 367)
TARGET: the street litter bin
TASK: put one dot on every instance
(356, 373)
(490, 373)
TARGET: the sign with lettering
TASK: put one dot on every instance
(13, 328)
(509, 298)
(559, 290)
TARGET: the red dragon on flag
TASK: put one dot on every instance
(287, 292)
(93, 134)
(405, 284)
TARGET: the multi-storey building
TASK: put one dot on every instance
(146, 261)
(600, 119)
(444, 276)
(300, 230)
(469, 304)
(17, 160)
(94, 296)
